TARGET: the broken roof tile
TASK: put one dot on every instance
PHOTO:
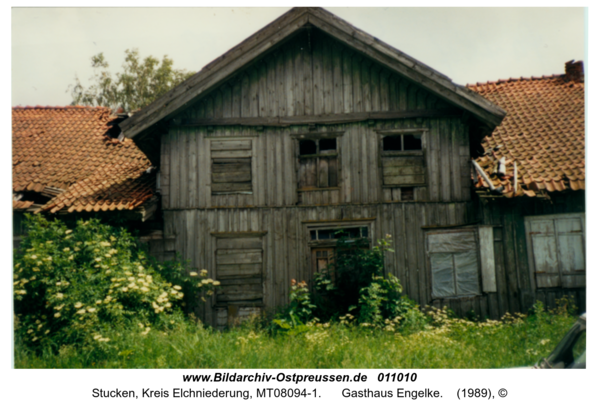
(543, 131)
(68, 148)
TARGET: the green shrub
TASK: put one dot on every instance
(382, 302)
(298, 313)
(353, 289)
(338, 289)
(85, 286)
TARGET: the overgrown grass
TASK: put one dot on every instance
(445, 343)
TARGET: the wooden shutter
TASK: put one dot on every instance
(319, 172)
(557, 250)
(403, 171)
(486, 253)
(231, 166)
(543, 242)
(240, 270)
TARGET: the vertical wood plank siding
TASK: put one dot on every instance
(323, 77)
(312, 74)
(186, 169)
(512, 271)
(285, 245)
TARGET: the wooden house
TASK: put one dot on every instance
(535, 206)
(308, 126)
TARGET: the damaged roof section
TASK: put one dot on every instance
(539, 147)
(66, 159)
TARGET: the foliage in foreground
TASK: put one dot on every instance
(88, 298)
(87, 286)
(446, 342)
(353, 287)
(140, 83)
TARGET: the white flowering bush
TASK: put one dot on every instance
(196, 286)
(77, 286)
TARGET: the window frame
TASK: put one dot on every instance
(337, 225)
(316, 137)
(422, 132)
(476, 251)
(331, 244)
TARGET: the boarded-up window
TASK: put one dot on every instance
(231, 166)
(318, 163)
(454, 264)
(239, 262)
(403, 160)
(556, 245)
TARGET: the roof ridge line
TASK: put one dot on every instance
(62, 107)
(511, 79)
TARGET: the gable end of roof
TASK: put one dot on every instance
(271, 35)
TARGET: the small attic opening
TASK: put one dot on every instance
(115, 131)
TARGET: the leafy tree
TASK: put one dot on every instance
(140, 83)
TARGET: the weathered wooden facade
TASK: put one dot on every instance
(524, 276)
(309, 126)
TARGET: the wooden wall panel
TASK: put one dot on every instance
(284, 247)
(322, 77)
(326, 77)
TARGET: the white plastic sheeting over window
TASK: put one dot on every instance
(454, 266)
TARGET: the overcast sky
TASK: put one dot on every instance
(50, 46)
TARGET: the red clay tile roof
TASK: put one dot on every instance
(543, 133)
(65, 153)
(21, 205)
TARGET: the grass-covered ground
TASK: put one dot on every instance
(87, 296)
(443, 343)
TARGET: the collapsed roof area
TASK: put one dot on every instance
(67, 159)
(539, 147)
